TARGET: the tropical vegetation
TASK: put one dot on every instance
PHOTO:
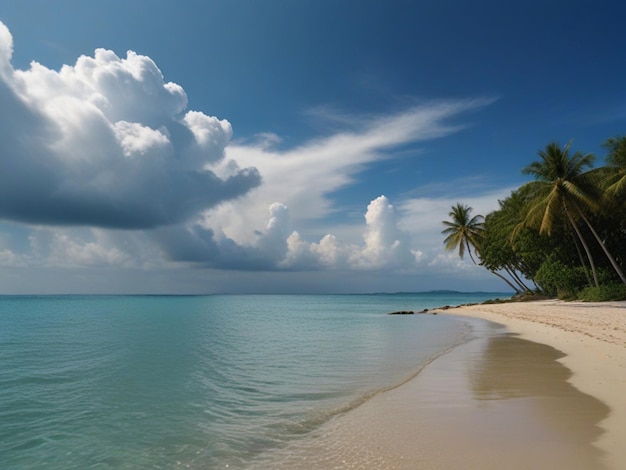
(561, 234)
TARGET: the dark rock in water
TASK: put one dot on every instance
(402, 312)
(432, 312)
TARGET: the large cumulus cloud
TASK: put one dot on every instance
(107, 142)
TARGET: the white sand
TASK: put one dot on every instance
(593, 337)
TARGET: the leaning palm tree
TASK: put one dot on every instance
(562, 187)
(463, 231)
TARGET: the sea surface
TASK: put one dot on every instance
(203, 382)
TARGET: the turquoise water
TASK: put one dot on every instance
(198, 382)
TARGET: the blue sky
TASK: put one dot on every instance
(282, 146)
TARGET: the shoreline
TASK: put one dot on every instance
(593, 338)
(527, 390)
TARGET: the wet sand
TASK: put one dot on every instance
(593, 338)
(498, 401)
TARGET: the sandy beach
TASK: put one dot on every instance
(541, 386)
(593, 338)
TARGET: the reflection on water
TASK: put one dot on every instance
(510, 368)
(495, 402)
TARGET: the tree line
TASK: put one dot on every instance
(562, 234)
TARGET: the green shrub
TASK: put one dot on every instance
(603, 293)
(558, 279)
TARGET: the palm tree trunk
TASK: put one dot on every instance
(604, 248)
(517, 279)
(584, 243)
(517, 291)
(509, 271)
(582, 260)
(469, 250)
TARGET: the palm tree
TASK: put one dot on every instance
(563, 187)
(464, 231)
(616, 166)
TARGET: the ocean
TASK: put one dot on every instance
(202, 382)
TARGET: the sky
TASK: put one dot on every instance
(281, 146)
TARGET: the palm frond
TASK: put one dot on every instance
(616, 156)
(551, 212)
(586, 195)
(463, 231)
(617, 186)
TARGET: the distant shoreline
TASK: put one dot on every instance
(433, 292)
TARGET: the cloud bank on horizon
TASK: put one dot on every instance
(104, 165)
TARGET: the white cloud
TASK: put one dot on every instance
(108, 143)
(275, 247)
(104, 142)
(423, 216)
(304, 176)
(9, 259)
(137, 140)
(212, 136)
(384, 248)
(79, 248)
(384, 242)
(68, 251)
(384, 245)
(6, 50)
(330, 252)
(273, 240)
